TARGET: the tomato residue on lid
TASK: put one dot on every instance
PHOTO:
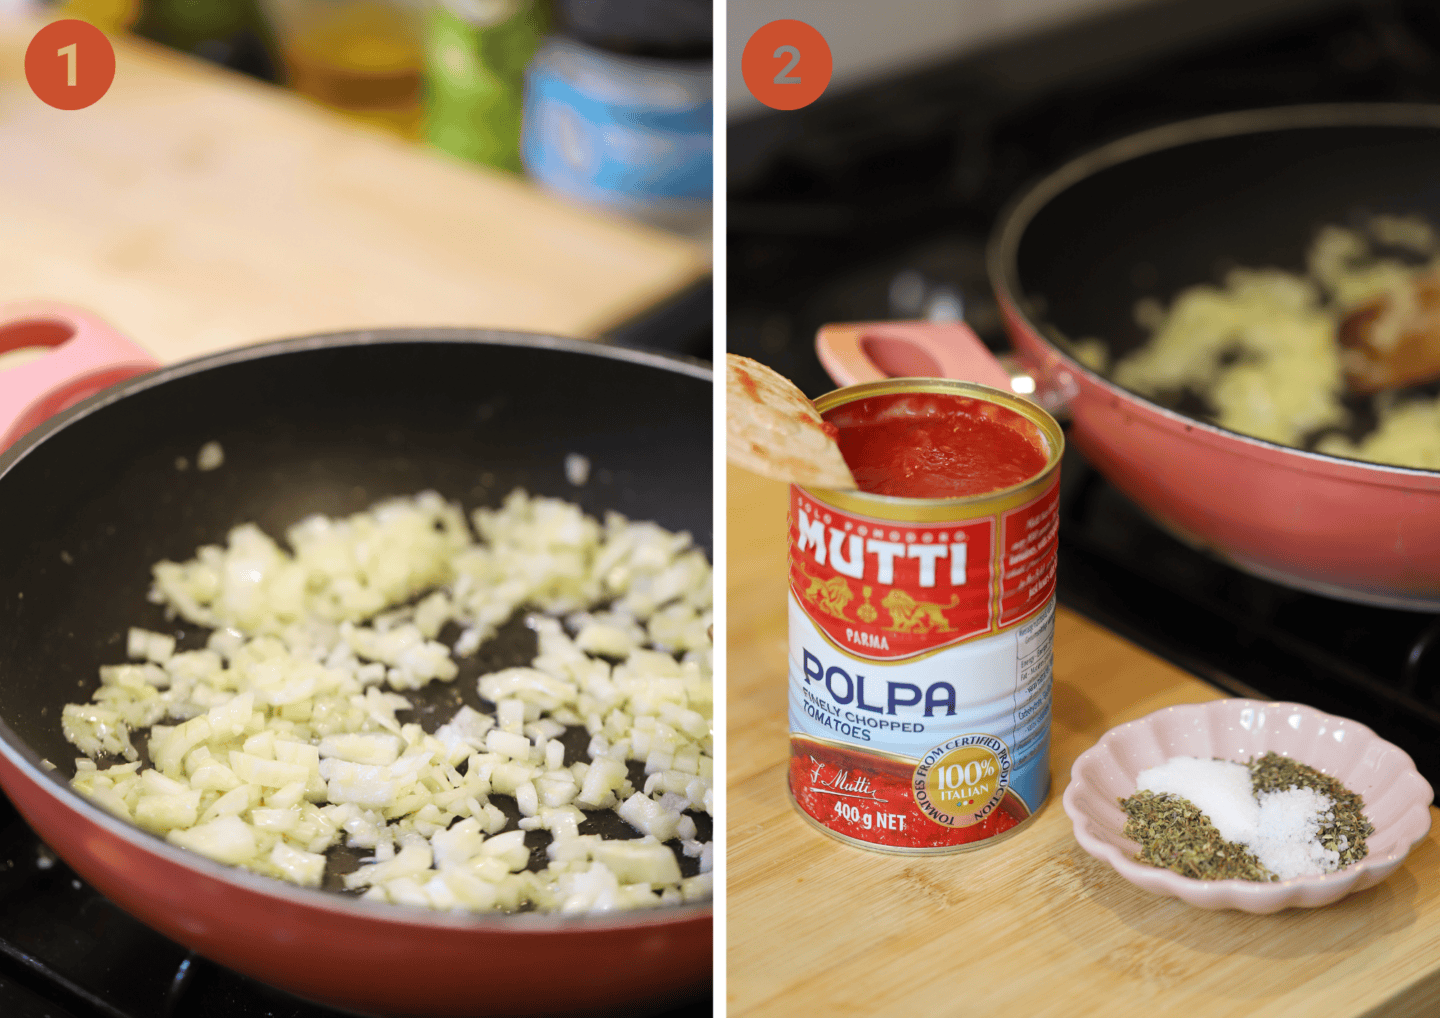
(748, 384)
(937, 445)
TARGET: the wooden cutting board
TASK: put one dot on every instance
(197, 209)
(1031, 926)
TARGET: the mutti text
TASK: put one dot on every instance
(870, 558)
(880, 697)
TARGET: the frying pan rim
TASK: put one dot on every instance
(459, 335)
(29, 763)
(1002, 254)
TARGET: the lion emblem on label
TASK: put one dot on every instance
(908, 615)
(830, 596)
(962, 781)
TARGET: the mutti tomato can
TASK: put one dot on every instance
(921, 633)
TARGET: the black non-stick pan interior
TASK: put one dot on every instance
(1154, 224)
(329, 426)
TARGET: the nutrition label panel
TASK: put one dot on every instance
(1034, 652)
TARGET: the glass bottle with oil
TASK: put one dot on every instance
(359, 57)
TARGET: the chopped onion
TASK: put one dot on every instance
(280, 740)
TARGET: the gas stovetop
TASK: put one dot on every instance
(879, 204)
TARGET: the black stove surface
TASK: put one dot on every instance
(878, 204)
(67, 952)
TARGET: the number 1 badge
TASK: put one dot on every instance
(70, 64)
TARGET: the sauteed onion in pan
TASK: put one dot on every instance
(279, 739)
(1270, 352)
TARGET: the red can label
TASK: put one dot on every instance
(889, 591)
(1029, 537)
(871, 797)
(920, 662)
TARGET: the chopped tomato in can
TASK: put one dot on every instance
(922, 618)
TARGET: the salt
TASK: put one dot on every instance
(1281, 828)
(1218, 788)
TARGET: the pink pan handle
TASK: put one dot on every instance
(868, 351)
(86, 355)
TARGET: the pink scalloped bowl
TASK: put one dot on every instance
(1397, 799)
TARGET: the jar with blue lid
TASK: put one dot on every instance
(624, 132)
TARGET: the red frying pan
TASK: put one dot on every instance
(1150, 216)
(91, 497)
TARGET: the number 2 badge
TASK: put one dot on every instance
(786, 64)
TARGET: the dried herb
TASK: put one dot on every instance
(1344, 828)
(1174, 834)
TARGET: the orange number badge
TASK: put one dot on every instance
(786, 64)
(70, 64)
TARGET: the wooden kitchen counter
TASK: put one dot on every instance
(197, 209)
(1031, 926)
